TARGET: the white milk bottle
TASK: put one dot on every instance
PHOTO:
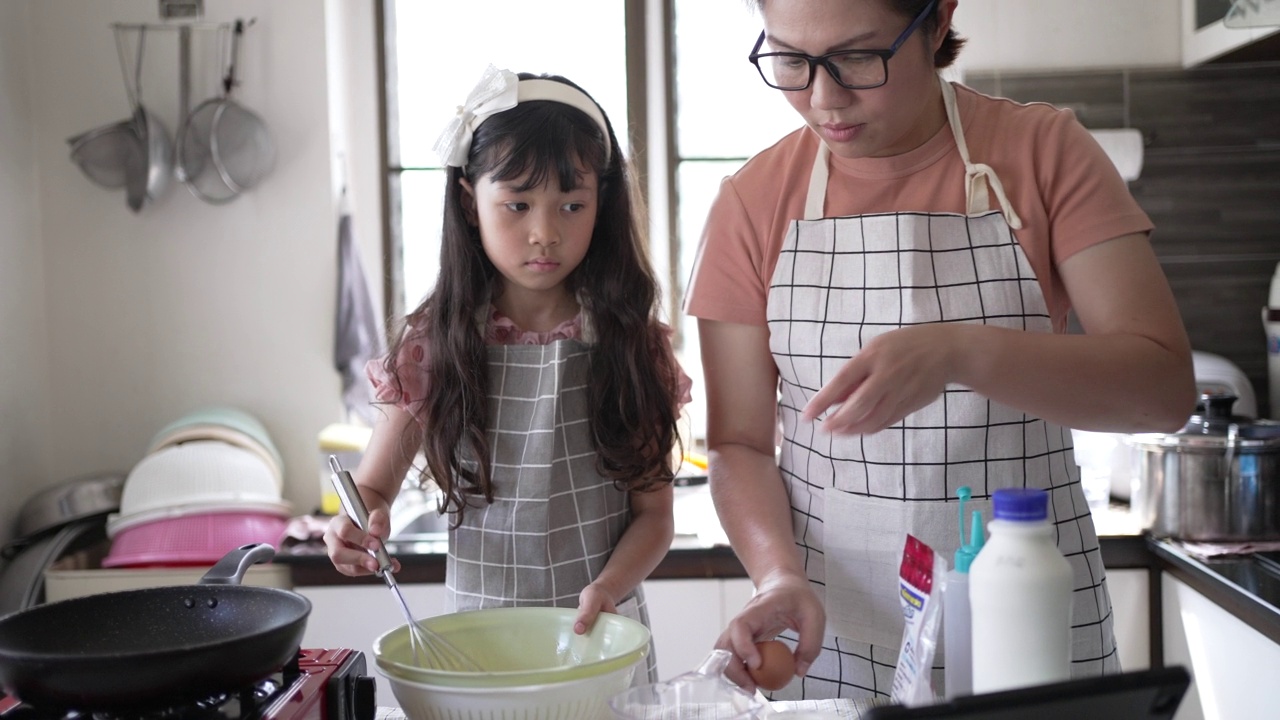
(1020, 597)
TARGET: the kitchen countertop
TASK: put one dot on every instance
(696, 552)
(1247, 588)
(1237, 583)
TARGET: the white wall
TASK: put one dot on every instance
(1024, 35)
(146, 316)
(25, 439)
(113, 324)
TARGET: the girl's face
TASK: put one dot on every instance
(892, 119)
(535, 237)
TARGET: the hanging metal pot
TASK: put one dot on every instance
(1216, 480)
(136, 153)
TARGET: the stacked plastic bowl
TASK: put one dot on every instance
(209, 483)
(533, 665)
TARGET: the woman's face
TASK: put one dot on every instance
(892, 119)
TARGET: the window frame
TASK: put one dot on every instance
(651, 119)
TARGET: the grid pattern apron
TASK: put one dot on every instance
(840, 282)
(554, 519)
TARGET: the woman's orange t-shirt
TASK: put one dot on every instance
(1056, 176)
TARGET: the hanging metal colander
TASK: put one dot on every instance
(224, 148)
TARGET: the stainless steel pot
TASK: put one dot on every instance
(1217, 479)
(65, 502)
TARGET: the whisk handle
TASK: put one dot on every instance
(354, 506)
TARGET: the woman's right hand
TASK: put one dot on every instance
(785, 603)
(350, 548)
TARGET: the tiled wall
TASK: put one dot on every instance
(1210, 182)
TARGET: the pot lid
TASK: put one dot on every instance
(1213, 426)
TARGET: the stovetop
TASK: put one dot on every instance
(317, 684)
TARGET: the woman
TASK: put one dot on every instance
(891, 284)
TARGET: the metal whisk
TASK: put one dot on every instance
(430, 649)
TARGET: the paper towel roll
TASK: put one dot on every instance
(1271, 325)
(1124, 147)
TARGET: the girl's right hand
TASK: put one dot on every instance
(350, 548)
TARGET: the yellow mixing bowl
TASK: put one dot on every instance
(517, 647)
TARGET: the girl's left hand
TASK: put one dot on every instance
(592, 601)
(893, 375)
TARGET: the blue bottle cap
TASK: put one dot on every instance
(1020, 504)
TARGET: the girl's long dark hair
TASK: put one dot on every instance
(632, 388)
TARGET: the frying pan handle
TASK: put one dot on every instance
(231, 568)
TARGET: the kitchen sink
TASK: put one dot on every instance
(415, 515)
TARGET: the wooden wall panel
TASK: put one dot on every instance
(1210, 182)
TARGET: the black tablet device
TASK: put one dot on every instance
(1138, 695)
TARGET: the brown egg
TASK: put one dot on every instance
(777, 665)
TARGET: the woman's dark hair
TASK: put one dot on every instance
(632, 388)
(951, 45)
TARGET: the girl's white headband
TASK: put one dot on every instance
(500, 90)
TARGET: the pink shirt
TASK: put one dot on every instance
(414, 368)
(1058, 179)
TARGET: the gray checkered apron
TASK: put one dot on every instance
(554, 520)
(840, 282)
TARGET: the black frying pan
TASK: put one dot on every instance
(155, 646)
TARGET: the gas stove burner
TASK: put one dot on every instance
(314, 685)
(213, 707)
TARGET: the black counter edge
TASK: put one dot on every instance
(310, 569)
(1230, 597)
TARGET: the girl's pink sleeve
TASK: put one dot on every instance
(408, 388)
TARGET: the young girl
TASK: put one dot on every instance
(534, 378)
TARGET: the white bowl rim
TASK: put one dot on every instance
(506, 689)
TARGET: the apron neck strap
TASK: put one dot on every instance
(976, 175)
(817, 196)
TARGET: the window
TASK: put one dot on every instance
(672, 75)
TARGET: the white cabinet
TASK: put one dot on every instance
(1131, 611)
(687, 616)
(1040, 35)
(1234, 668)
(1205, 38)
(353, 616)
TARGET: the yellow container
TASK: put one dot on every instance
(347, 443)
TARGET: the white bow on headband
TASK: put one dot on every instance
(496, 91)
(500, 90)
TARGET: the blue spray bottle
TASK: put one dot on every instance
(956, 627)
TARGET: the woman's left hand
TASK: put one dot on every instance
(893, 375)
(592, 601)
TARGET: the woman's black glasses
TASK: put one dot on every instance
(852, 69)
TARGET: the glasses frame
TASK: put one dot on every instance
(825, 60)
